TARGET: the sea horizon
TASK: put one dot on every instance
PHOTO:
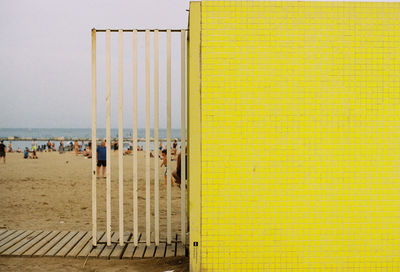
(13, 134)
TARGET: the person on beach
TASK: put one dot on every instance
(48, 146)
(174, 147)
(10, 147)
(3, 151)
(19, 150)
(102, 158)
(61, 147)
(26, 153)
(89, 151)
(177, 173)
(164, 163)
(33, 144)
(34, 156)
(76, 147)
(115, 145)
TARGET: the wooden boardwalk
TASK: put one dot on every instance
(78, 244)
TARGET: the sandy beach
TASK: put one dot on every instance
(54, 193)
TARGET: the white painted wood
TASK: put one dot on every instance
(169, 136)
(148, 137)
(120, 140)
(93, 149)
(156, 151)
(135, 168)
(183, 138)
(108, 138)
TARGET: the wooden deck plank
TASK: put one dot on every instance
(140, 249)
(149, 253)
(6, 234)
(31, 243)
(95, 252)
(130, 249)
(41, 243)
(11, 237)
(160, 252)
(88, 247)
(2, 231)
(170, 252)
(80, 245)
(119, 250)
(109, 249)
(21, 242)
(49, 245)
(61, 243)
(14, 241)
(71, 244)
(180, 250)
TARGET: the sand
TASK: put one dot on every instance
(54, 193)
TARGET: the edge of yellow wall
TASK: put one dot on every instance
(194, 135)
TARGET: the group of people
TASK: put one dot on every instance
(176, 174)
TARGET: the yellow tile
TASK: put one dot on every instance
(300, 136)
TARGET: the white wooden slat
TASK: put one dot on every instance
(169, 136)
(94, 141)
(108, 138)
(120, 141)
(135, 168)
(183, 138)
(148, 229)
(156, 143)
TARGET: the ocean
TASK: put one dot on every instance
(74, 133)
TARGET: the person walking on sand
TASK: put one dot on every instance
(76, 147)
(3, 151)
(101, 158)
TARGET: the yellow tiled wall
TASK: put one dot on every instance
(300, 141)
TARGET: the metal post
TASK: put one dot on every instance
(169, 137)
(108, 137)
(120, 144)
(156, 180)
(93, 149)
(134, 135)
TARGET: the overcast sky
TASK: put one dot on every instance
(45, 53)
